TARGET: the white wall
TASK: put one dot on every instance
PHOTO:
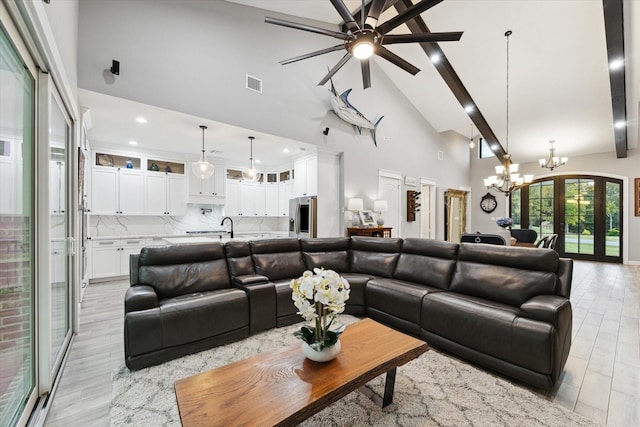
(192, 56)
(63, 20)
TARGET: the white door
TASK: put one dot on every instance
(389, 190)
(428, 210)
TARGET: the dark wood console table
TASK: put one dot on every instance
(369, 231)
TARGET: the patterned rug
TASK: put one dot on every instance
(432, 390)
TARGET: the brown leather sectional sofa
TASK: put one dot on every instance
(504, 308)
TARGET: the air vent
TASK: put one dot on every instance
(254, 84)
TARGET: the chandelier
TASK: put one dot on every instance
(553, 161)
(251, 174)
(202, 168)
(507, 179)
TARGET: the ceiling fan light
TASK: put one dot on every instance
(363, 50)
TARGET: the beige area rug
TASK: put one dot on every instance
(433, 390)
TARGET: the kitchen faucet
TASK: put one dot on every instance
(231, 221)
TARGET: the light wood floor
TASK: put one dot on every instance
(601, 379)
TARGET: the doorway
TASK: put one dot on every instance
(585, 212)
(455, 215)
(389, 190)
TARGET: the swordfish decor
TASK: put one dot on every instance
(366, 38)
(350, 114)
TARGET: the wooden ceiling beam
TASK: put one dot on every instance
(614, 31)
(451, 78)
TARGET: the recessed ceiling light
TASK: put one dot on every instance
(619, 124)
(616, 64)
(286, 150)
(133, 143)
(141, 120)
(494, 147)
(435, 58)
(257, 160)
(469, 108)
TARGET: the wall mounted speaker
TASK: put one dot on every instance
(115, 67)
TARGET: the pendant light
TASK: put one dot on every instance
(251, 174)
(472, 143)
(506, 180)
(202, 169)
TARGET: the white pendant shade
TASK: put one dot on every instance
(202, 169)
(251, 174)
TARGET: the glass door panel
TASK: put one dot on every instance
(59, 222)
(541, 203)
(17, 234)
(579, 217)
(613, 202)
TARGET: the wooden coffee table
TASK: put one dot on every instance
(285, 388)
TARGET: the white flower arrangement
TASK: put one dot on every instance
(319, 297)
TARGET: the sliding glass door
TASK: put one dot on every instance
(17, 235)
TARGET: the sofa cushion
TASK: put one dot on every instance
(180, 254)
(201, 315)
(397, 298)
(204, 270)
(504, 274)
(239, 258)
(374, 255)
(427, 262)
(490, 328)
(278, 258)
(331, 253)
(284, 302)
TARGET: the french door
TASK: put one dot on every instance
(584, 211)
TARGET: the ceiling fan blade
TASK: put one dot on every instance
(408, 14)
(421, 38)
(396, 60)
(335, 69)
(305, 27)
(345, 13)
(374, 13)
(312, 54)
(366, 73)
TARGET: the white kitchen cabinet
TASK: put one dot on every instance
(232, 200)
(248, 192)
(210, 190)
(110, 258)
(272, 206)
(165, 193)
(285, 192)
(306, 176)
(116, 191)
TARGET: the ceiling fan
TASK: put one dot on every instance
(367, 38)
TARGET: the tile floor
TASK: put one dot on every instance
(601, 379)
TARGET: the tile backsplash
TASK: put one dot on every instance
(194, 220)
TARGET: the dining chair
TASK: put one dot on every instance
(551, 244)
(543, 242)
(492, 239)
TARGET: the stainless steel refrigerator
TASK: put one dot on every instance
(303, 215)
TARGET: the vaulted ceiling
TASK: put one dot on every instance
(559, 86)
(559, 75)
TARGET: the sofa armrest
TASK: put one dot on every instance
(141, 297)
(249, 279)
(262, 305)
(546, 308)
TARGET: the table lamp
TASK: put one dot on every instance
(355, 205)
(380, 206)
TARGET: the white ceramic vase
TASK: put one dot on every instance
(327, 353)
